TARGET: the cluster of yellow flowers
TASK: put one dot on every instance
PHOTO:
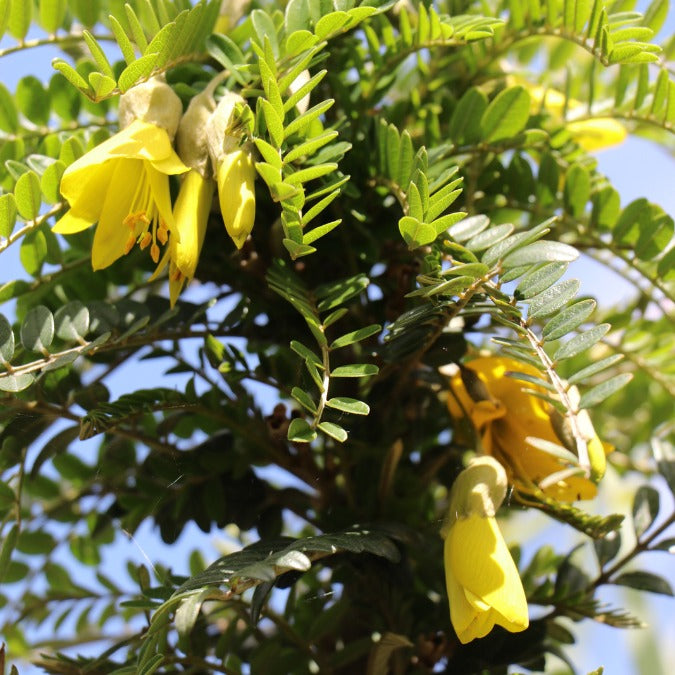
(123, 183)
(483, 584)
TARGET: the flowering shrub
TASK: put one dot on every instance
(286, 283)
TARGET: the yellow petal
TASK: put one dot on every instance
(236, 194)
(85, 186)
(481, 564)
(161, 194)
(191, 214)
(597, 134)
(111, 233)
(70, 224)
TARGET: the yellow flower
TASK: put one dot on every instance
(193, 205)
(191, 214)
(123, 184)
(236, 193)
(482, 581)
(592, 134)
(234, 169)
(504, 416)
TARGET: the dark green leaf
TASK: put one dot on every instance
(304, 399)
(7, 214)
(356, 336)
(539, 252)
(607, 547)
(6, 339)
(645, 509)
(644, 581)
(8, 545)
(37, 330)
(72, 321)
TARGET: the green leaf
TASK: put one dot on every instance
(15, 383)
(595, 368)
(6, 339)
(28, 196)
(33, 100)
(304, 120)
(334, 431)
(123, 40)
(489, 237)
(299, 431)
(7, 214)
(99, 55)
(568, 319)
(7, 496)
(577, 189)
(348, 405)
(539, 252)
(304, 399)
(465, 124)
(356, 336)
(468, 228)
(553, 299)
(37, 330)
(581, 342)
(355, 370)
(20, 14)
(9, 120)
(667, 545)
(306, 353)
(50, 182)
(603, 390)
(318, 232)
(644, 581)
(539, 279)
(607, 547)
(264, 28)
(8, 546)
(71, 74)
(275, 124)
(35, 542)
(101, 85)
(72, 321)
(507, 114)
(416, 233)
(297, 250)
(645, 509)
(139, 69)
(33, 252)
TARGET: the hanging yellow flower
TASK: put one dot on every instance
(234, 169)
(193, 205)
(482, 581)
(504, 417)
(123, 183)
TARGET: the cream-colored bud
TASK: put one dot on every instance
(154, 102)
(479, 490)
(191, 139)
(219, 137)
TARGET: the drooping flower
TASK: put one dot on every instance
(591, 134)
(234, 169)
(482, 581)
(504, 417)
(123, 183)
(193, 205)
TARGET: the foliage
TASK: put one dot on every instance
(417, 201)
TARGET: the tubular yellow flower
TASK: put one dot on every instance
(191, 211)
(504, 416)
(234, 168)
(123, 183)
(482, 581)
